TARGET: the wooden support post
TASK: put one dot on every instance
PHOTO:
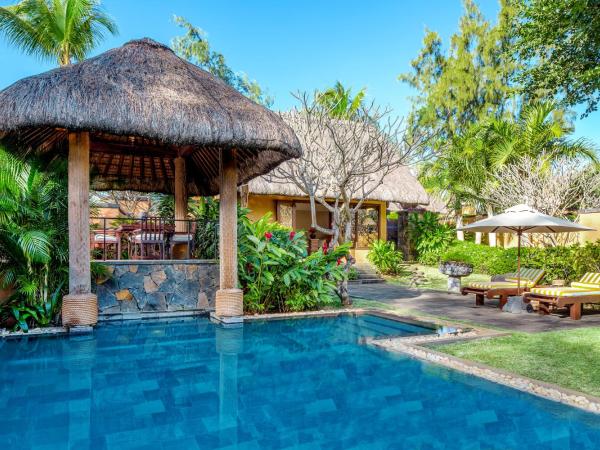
(575, 311)
(180, 196)
(80, 306)
(229, 298)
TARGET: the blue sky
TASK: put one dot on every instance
(296, 45)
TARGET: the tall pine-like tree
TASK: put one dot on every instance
(468, 82)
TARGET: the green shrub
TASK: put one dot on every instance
(277, 275)
(564, 262)
(385, 258)
(429, 235)
(33, 236)
(568, 263)
(491, 260)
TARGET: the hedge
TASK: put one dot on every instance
(568, 263)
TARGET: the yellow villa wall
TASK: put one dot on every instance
(592, 220)
(259, 205)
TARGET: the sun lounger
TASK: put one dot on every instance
(586, 290)
(505, 287)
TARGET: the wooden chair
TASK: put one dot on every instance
(148, 242)
(106, 241)
(586, 290)
(182, 238)
(504, 286)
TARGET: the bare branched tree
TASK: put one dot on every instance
(344, 160)
(560, 190)
(129, 203)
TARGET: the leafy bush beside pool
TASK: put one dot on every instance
(276, 273)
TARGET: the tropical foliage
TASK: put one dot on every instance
(568, 263)
(205, 212)
(339, 101)
(540, 131)
(463, 174)
(194, 47)
(276, 273)
(468, 82)
(33, 234)
(561, 39)
(62, 30)
(386, 259)
(429, 236)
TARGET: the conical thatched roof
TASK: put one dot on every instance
(399, 186)
(144, 106)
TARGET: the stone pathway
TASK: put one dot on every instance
(463, 308)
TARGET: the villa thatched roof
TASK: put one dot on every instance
(399, 186)
(144, 106)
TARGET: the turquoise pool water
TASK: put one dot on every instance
(310, 383)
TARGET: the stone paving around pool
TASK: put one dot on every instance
(462, 308)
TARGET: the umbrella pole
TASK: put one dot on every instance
(519, 262)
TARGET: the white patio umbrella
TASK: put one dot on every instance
(523, 219)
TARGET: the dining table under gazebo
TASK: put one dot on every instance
(141, 118)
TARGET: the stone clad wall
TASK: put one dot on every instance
(155, 286)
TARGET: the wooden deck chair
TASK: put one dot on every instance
(504, 287)
(586, 290)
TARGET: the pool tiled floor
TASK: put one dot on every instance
(304, 383)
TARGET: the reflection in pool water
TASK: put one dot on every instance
(304, 383)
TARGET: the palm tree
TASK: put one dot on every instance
(460, 172)
(33, 228)
(540, 132)
(462, 169)
(63, 30)
(339, 101)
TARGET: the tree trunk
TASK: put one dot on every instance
(492, 237)
(347, 237)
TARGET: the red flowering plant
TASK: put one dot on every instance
(277, 274)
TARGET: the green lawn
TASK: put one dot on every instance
(435, 280)
(568, 358)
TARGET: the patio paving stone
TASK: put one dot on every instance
(462, 308)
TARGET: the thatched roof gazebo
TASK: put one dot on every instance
(139, 117)
(399, 188)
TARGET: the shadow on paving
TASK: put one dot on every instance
(463, 308)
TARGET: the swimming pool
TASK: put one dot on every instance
(302, 383)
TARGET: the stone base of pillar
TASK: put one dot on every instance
(79, 309)
(229, 303)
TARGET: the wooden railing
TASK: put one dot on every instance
(146, 238)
